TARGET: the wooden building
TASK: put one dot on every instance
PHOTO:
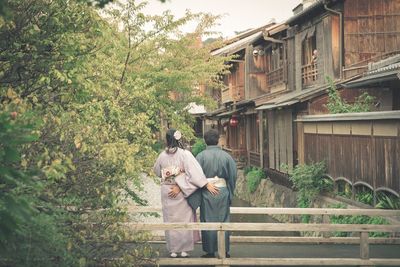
(280, 77)
(233, 120)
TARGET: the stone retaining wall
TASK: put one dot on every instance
(267, 194)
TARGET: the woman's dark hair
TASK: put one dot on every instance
(211, 137)
(172, 143)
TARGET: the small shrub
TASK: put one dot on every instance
(365, 197)
(388, 202)
(248, 169)
(198, 146)
(344, 189)
(359, 219)
(309, 181)
(253, 179)
(336, 104)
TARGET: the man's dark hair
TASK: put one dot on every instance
(211, 137)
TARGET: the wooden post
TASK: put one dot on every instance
(261, 137)
(364, 246)
(221, 246)
(326, 220)
(300, 143)
(248, 136)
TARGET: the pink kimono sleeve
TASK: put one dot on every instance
(193, 178)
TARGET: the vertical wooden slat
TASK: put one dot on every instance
(364, 245)
(271, 138)
(247, 59)
(324, 47)
(291, 64)
(300, 142)
(221, 244)
(298, 79)
(282, 150)
(326, 220)
(335, 43)
(261, 136)
(289, 138)
(248, 136)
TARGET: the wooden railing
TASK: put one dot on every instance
(254, 159)
(226, 95)
(363, 229)
(236, 153)
(309, 74)
(275, 76)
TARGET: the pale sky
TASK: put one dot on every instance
(239, 15)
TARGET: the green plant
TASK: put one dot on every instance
(253, 178)
(102, 98)
(15, 206)
(344, 189)
(158, 146)
(387, 201)
(30, 227)
(198, 146)
(359, 219)
(309, 181)
(366, 197)
(336, 104)
(248, 169)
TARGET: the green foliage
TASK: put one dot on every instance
(359, 219)
(29, 226)
(101, 95)
(336, 104)
(198, 146)
(247, 169)
(15, 207)
(309, 181)
(344, 189)
(158, 146)
(98, 3)
(387, 201)
(253, 178)
(366, 197)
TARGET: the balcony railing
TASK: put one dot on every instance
(309, 73)
(254, 159)
(232, 94)
(274, 77)
(226, 95)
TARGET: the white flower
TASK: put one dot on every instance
(177, 135)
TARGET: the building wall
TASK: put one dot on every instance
(360, 151)
(383, 100)
(371, 31)
(280, 139)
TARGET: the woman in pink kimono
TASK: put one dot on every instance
(180, 175)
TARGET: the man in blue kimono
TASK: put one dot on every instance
(220, 169)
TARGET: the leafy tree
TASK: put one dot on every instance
(15, 207)
(101, 93)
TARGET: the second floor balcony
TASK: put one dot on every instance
(309, 74)
(275, 77)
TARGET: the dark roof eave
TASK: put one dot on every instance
(371, 81)
(214, 113)
(243, 103)
(305, 12)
